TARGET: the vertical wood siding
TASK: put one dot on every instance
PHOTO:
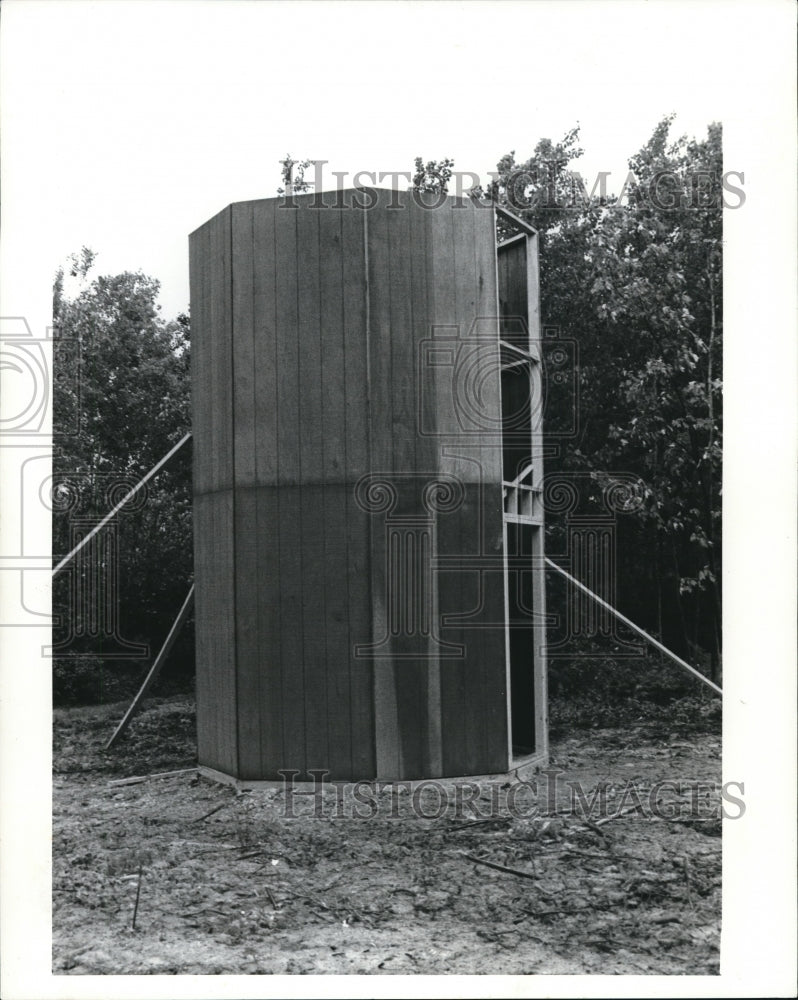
(309, 328)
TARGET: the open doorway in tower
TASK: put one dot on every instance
(522, 476)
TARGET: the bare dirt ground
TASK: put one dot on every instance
(499, 879)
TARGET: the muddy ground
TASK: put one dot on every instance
(178, 874)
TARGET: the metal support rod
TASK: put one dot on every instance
(152, 676)
(121, 504)
(635, 628)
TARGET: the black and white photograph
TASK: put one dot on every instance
(398, 488)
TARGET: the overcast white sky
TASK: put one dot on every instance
(140, 120)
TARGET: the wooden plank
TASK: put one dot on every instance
(224, 465)
(267, 380)
(288, 512)
(202, 627)
(533, 289)
(486, 309)
(243, 344)
(334, 460)
(435, 392)
(226, 648)
(247, 665)
(358, 390)
(333, 345)
(380, 339)
(444, 313)
(493, 652)
(427, 458)
(245, 591)
(197, 257)
(538, 534)
(140, 779)
(155, 670)
(401, 346)
(541, 694)
(265, 342)
(213, 529)
(274, 714)
(389, 763)
(468, 469)
(213, 617)
(292, 699)
(287, 358)
(313, 529)
(358, 572)
(409, 676)
(220, 353)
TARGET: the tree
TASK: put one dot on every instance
(295, 183)
(128, 386)
(636, 281)
(432, 176)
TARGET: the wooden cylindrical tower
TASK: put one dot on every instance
(367, 470)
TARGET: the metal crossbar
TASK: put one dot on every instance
(635, 628)
(155, 669)
(128, 496)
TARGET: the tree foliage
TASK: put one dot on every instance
(636, 281)
(293, 176)
(119, 406)
(432, 176)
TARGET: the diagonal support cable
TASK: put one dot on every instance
(635, 628)
(128, 496)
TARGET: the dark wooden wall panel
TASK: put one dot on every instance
(409, 676)
(224, 654)
(264, 285)
(441, 258)
(270, 708)
(355, 379)
(311, 497)
(216, 682)
(243, 344)
(289, 531)
(493, 694)
(245, 594)
(203, 609)
(247, 649)
(468, 469)
(427, 459)
(199, 263)
(219, 282)
(211, 294)
(381, 439)
(292, 697)
(286, 319)
(334, 496)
